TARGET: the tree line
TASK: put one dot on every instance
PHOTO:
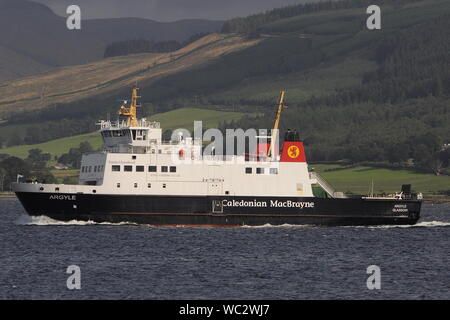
(33, 168)
(251, 23)
(123, 48)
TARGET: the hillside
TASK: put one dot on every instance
(76, 83)
(353, 93)
(34, 39)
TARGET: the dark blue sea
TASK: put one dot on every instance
(120, 261)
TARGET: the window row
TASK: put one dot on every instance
(127, 168)
(249, 170)
(88, 169)
(149, 185)
(136, 134)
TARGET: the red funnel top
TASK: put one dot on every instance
(293, 151)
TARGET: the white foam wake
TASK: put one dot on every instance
(423, 224)
(47, 221)
(285, 225)
(417, 225)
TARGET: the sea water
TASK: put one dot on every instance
(128, 261)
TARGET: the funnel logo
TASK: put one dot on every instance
(293, 152)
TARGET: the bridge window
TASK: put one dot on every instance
(115, 168)
(128, 168)
(173, 169)
(139, 168)
(152, 169)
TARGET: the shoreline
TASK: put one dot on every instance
(7, 195)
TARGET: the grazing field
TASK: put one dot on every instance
(359, 179)
(179, 118)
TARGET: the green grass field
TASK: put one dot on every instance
(179, 118)
(359, 179)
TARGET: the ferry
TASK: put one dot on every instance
(139, 178)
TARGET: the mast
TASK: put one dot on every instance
(276, 125)
(131, 112)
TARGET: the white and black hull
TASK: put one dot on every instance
(220, 210)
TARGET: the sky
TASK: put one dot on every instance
(168, 10)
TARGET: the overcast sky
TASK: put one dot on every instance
(168, 10)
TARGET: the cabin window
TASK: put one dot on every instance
(173, 169)
(259, 170)
(95, 168)
(133, 157)
(248, 170)
(159, 151)
(152, 169)
(128, 168)
(118, 185)
(164, 169)
(135, 185)
(139, 168)
(149, 185)
(115, 168)
(90, 168)
(273, 170)
(164, 185)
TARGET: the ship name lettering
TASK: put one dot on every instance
(399, 208)
(244, 203)
(291, 204)
(62, 197)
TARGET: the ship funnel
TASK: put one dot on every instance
(293, 150)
